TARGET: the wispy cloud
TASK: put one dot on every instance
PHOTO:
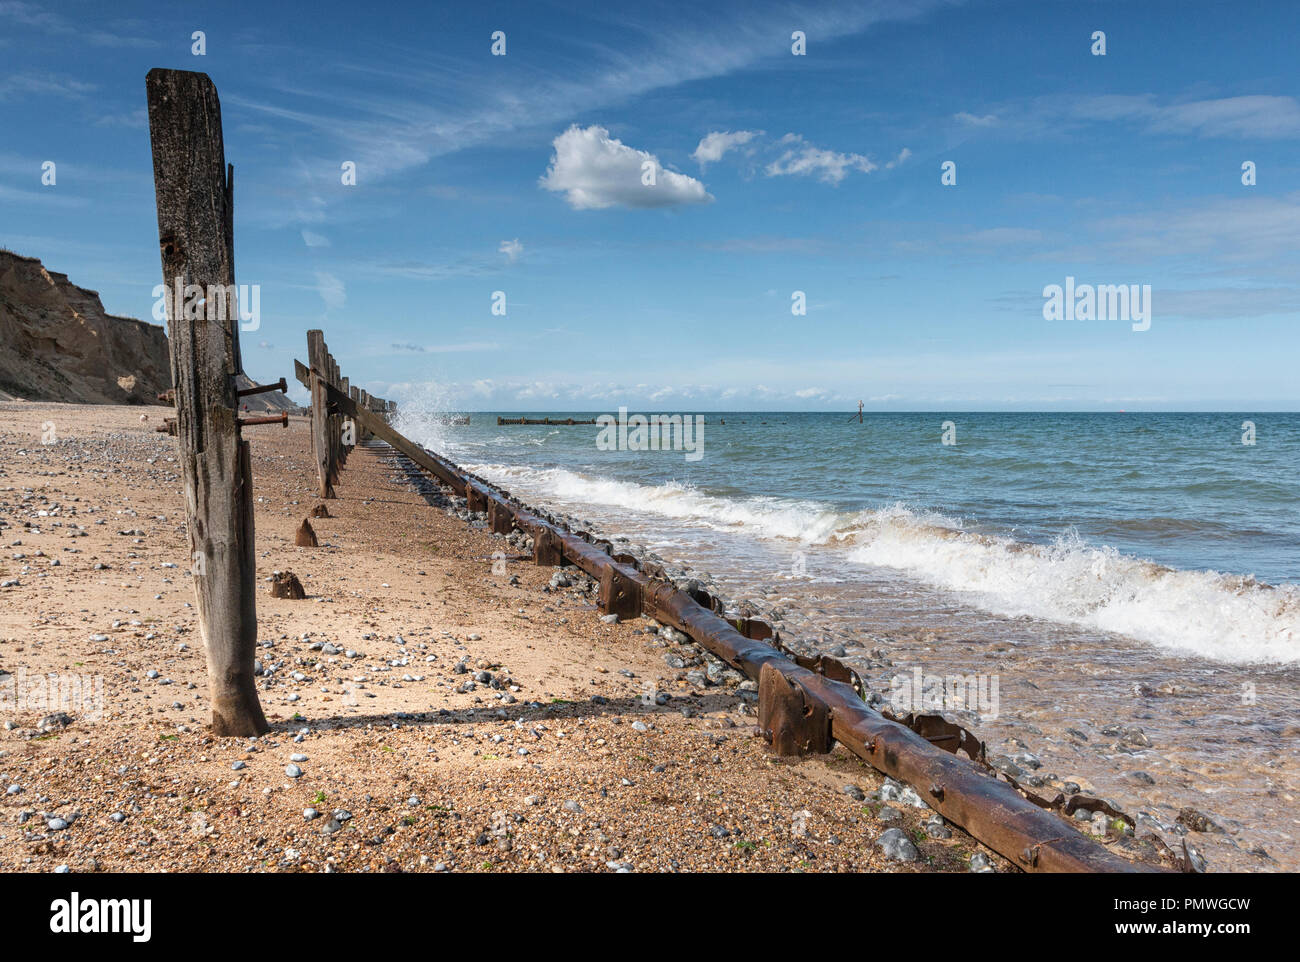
(446, 348)
(332, 290)
(512, 249)
(52, 24)
(44, 85)
(1256, 116)
(1252, 116)
(971, 120)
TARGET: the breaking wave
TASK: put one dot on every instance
(1217, 616)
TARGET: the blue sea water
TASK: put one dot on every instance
(1162, 527)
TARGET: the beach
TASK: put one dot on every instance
(432, 707)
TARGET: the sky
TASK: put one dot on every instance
(784, 171)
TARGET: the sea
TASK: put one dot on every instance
(1129, 582)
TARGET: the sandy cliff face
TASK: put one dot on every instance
(58, 344)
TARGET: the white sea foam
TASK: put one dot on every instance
(1221, 617)
(805, 521)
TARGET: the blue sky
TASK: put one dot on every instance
(521, 173)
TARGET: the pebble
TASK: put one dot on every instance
(980, 863)
(297, 758)
(896, 845)
(57, 824)
(935, 827)
(293, 771)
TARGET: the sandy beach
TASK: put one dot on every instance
(427, 713)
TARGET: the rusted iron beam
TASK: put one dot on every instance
(791, 721)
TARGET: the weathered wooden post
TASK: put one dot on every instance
(359, 433)
(345, 441)
(335, 423)
(196, 236)
(316, 356)
(349, 439)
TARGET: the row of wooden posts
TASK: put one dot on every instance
(194, 192)
(333, 432)
(805, 704)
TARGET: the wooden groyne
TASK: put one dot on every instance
(501, 420)
(331, 438)
(556, 421)
(805, 705)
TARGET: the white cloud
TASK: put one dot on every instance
(971, 120)
(331, 290)
(595, 171)
(512, 249)
(312, 239)
(902, 156)
(802, 159)
(717, 143)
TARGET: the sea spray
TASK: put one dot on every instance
(1068, 581)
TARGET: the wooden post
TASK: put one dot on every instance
(196, 236)
(359, 433)
(316, 356)
(335, 423)
(348, 442)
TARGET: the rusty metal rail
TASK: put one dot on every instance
(805, 704)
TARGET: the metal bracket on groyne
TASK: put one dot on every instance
(805, 704)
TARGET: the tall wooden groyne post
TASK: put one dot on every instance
(194, 189)
(334, 432)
